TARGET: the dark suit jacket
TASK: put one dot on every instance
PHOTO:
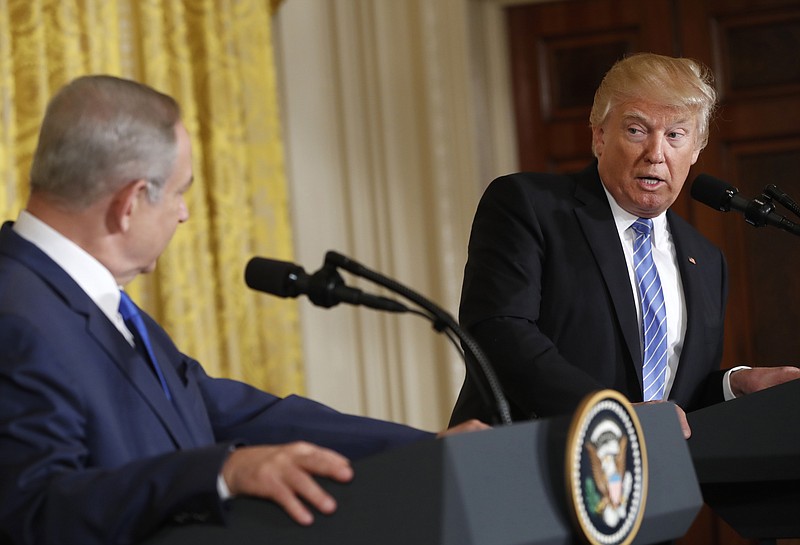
(91, 451)
(547, 296)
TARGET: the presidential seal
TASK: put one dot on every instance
(606, 470)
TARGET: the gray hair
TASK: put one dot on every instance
(677, 82)
(100, 133)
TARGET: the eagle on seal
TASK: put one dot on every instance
(608, 470)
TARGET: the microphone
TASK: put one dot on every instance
(722, 196)
(325, 288)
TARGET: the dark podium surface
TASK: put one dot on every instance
(504, 486)
(746, 453)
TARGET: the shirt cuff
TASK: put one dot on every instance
(727, 392)
(222, 488)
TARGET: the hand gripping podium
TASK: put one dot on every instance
(747, 456)
(504, 486)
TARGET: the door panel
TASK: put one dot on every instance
(559, 52)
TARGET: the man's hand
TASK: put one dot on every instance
(747, 381)
(284, 474)
(464, 427)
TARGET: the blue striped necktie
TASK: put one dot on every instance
(133, 319)
(654, 313)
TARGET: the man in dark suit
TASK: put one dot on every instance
(552, 289)
(107, 430)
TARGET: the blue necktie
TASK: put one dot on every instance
(654, 313)
(133, 319)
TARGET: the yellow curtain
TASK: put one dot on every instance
(215, 57)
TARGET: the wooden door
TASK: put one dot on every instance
(559, 53)
(754, 50)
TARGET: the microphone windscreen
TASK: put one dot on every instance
(273, 276)
(713, 192)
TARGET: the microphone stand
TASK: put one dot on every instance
(442, 322)
(772, 191)
(761, 212)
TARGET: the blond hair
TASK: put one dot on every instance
(676, 82)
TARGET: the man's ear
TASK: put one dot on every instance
(124, 204)
(696, 154)
(598, 139)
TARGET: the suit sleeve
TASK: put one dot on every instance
(53, 490)
(241, 413)
(501, 303)
(50, 491)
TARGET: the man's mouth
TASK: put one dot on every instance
(650, 180)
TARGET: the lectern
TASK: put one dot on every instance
(747, 456)
(504, 486)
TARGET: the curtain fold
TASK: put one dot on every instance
(215, 57)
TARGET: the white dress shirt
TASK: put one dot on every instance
(666, 262)
(91, 275)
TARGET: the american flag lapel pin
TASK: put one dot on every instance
(692, 261)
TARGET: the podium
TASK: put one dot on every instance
(504, 486)
(747, 456)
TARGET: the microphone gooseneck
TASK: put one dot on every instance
(441, 321)
(326, 288)
(772, 191)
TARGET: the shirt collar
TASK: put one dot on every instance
(91, 275)
(624, 219)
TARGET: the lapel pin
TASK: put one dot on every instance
(692, 261)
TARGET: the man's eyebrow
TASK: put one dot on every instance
(635, 115)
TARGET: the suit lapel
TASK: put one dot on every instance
(597, 223)
(138, 371)
(690, 265)
(186, 399)
(132, 365)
